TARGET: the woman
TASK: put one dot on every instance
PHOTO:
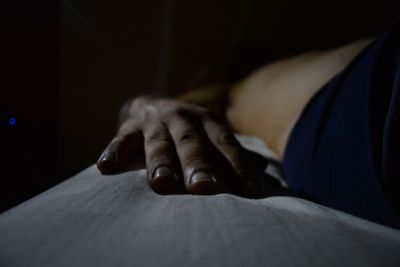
(332, 117)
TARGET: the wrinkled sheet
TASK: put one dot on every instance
(117, 220)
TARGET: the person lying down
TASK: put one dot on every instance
(332, 118)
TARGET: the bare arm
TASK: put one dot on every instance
(268, 103)
(187, 148)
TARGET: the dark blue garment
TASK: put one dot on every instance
(344, 151)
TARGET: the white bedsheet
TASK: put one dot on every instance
(96, 220)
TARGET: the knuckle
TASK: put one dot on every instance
(158, 153)
(195, 161)
(189, 110)
(158, 158)
(157, 136)
(227, 139)
(168, 116)
(187, 137)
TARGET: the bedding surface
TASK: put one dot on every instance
(117, 220)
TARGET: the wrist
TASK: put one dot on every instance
(214, 97)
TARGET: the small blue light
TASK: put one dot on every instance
(12, 121)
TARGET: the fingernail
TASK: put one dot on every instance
(107, 161)
(162, 171)
(110, 156)
(201, 176)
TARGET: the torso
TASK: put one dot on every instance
(268, 103)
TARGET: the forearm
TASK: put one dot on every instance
(268, 102)
(215, 97)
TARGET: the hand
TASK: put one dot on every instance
(185, 148)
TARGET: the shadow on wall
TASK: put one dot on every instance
(111, 51)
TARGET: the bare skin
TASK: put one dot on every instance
(187, 149)
(277, 93)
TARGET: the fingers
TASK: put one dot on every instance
(224, 140)
(197, 173)
(238, 157)
(161, 160)
(127, 142)
(182, 146)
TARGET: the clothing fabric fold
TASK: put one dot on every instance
(344, 151)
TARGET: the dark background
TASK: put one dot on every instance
(67, 66)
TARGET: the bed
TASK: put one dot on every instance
(117, 220)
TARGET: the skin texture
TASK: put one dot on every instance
(268, 103)
(188, 150)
